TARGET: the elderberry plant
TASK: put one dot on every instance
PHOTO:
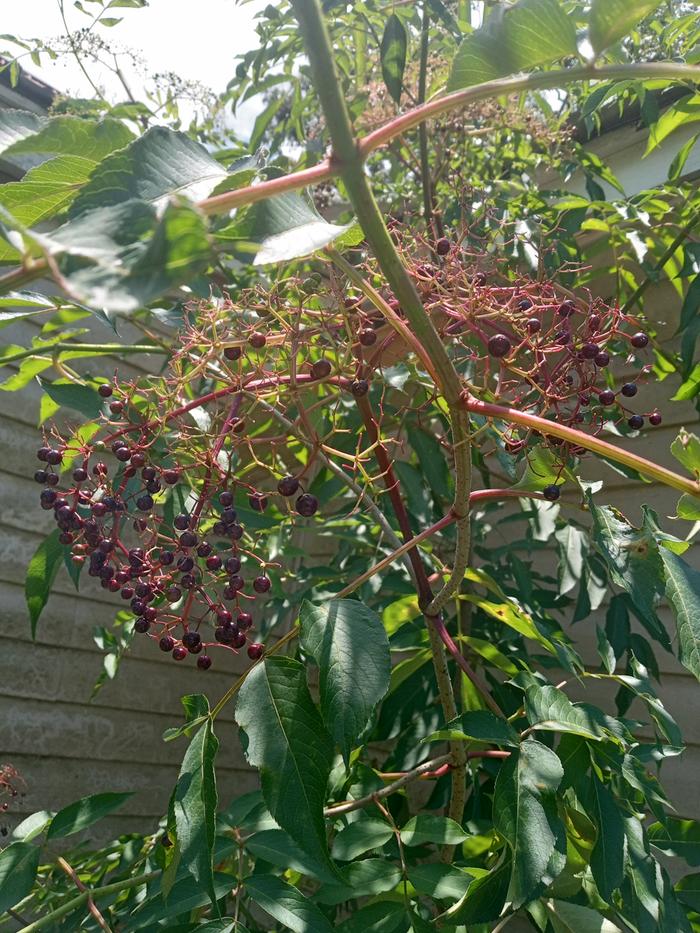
(348, 469)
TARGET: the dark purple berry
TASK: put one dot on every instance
(306, 505)
(142, 625)
(524, 304)
(173, 594)
(192, 641)
(167, 643)
(181, 522)
(52, 479)
(204, 662)
(171, 477)
(105, 390)
(288, 485)
(166, 558)
(551, 493)
(144, 503)
(589, 351)
(116, 407)
(185, 564)
(188, 581)
(367, 336)
(79, 475)
(566, 308)
(148, 473)
(236, 532)
(257, 502)
(655, 418)
(228, 516)
(499, 345)
(127, 592)
(533, 325)
(257, 340)
(635, 422)
(179, 653)
(359, 387)
(629, 389)
(232, 565)
(244, 621)
(638, 341)
(214, 562)
(54, 457)
(236, 582)
(138, 459)
(123, 454)
(226, 499)
(238, 640)
(602, 358)
(223, 616)
(262, 584)
(255, 651)
(232, 353)
(188, 539)
(40, 476)
(43, 453)
(320, 369)
(606, 397)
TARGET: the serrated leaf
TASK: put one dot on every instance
(18, 866)
(549, 708)
(41, 573)
(393, 55)
(631, 556)
(479, 726)
(677, 837)
(442, 882)
(286, 904)
(683, 592)
(525, 815)
(194, 808)
(288, 742)
(485, 896)
(359, 837)
(610, 20)
(16, 125)
(153, 168)
(607, 855)
(83, 813)
(349, 644)
(363, 878)
(528, 33)
(428, 828)
(80, 398)
(74, 136)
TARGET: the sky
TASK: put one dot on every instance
(196, 40)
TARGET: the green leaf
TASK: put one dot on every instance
(83, 813)
(610, 20)
(607, 856)
(349, 644)
(41, 573)
(157, 165)
(196, 706)
(688, 891)
(278, 848)
(677, 837)
(426, 828)
(525, 814)
(688, 508)
(631, 556)
(73, 395)
(479, 726)
(686, 449)
(18, 866)
(194, 807)
(443, 882)
(286, 227)
(573, 918)
(44, 192)
(683, 592)
(286, 904)
(364, 878)
(393, 55)
(74, 136)
(32, 825)
(16, 125)
(526, 34)
(485, 896)
(359, 837)
(683, 111)
(690, 386)
(288, 742)
(675, 169)
(549, 708)
(380, 917)
(184, 897)
(121, 258)
(572, 545)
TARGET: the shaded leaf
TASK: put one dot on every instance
(364, 878)
(610, 20)
(286, 904)
(277, 848)
(74, 136)
(41, 573)
(80, 398)
(349, 644)
(485, 896)
(18, 866)
(427, 827)
(359, 837)
(574, 918)
(607, 856)
(393, 55)
(549, 708)
(479, 726)
(288, 742)
(443, 882)
(683, 592)
(677, 837)
(83, 813)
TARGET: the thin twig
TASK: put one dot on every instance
(92, 907)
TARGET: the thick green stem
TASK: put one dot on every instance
(80, 899)
(350, 165)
